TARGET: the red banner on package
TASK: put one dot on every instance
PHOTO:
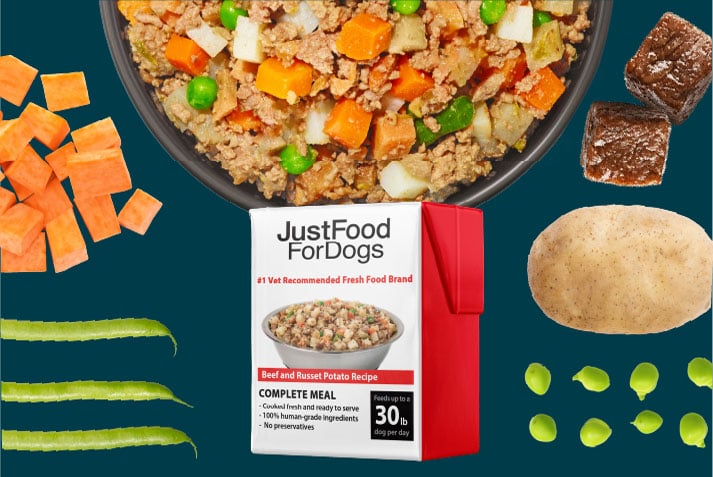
(346, 376)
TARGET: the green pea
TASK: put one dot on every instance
(405, 7)
(644, 379)
(491, 11)
(458, 115)
(700, 371)
(295, 163)
(593, 379)
(201, 92)
(594, 432)
(647, 422)
(538, 378)
(543, 428)
(693, 429)
(540, 18)
(229, 13)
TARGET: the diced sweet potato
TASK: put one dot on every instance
(393, 136)
(139, 211)
(52, 201)
(19, 226)
(30, 171)
(96, 136)
(33, 260)
(15, 134)
(65, 90)
(57, 159)
(99, 216)
(67, 245)
(49, 128)
(16, 77)
(7, 200)
(98, 173)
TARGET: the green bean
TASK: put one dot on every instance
(644, 379)
(21, 330)
(693, 429)
(538, 378)
(458, 115)
(96, 439)
(647, 422)
(594, 432)
(593, 379)
(87, 390)
(700, 372)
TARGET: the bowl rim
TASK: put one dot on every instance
(506, 170)
(266, 329)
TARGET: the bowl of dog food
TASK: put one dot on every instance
(332, 334)
(304, 103)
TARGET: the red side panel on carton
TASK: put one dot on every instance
(452, 300)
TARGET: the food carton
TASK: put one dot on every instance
(365, 330)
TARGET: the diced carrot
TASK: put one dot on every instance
(139, 211)
(348, 123)
(364, 37)
(99, 216)
(393, 137)
(96, 136)
(273, 78)
(0, 115)
(33, 260)
(185, 55)
(247, 120)
(380, 72)
(21, 191)
(16, 77)
(98, 173)
(52, 201)
(7, 199)
(411, 82)
(67, 245)
(58, 160)
(29, 170)
(546, 91)
(129, 8)
(65, 90)
(2, 175)
(19, 226)
(15, 134)
(49, 128)
(450, 13)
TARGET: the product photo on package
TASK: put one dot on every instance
(365, 330)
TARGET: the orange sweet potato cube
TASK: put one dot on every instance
(98, 173)
(19, 226)
(30, 171)
(16, 77)
(15, 134)
(67, 245)
(49, 128)
(99, 216)
(139, 211)
(33, 260)
(65, 90)
(52, 201)
(7, 199)
(96, 136)
(57, 160)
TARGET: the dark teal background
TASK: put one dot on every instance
(191, 271)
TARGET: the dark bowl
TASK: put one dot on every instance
(180, 146)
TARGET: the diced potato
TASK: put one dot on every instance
(510, 121)
(546, 46)
(409, 34)
(209, 40)
(246, 44)
(303, 17)
(399, 183)
(450, 13)
(558, 8)
(462, 62)
(482, 127)
(314, 123)
(391, 103)
(516, 23)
